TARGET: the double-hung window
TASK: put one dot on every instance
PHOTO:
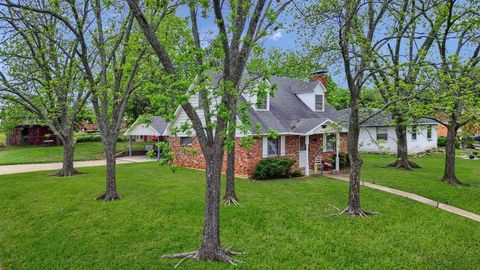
(382, 133)
(331, 142)
(273, 147)
(414, 133)
(186, 141)
(319, 102)
(429, 132)
(261, 104)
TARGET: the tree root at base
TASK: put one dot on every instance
(406, 164)
(110, 196)
(230, 200)
(62, 173)
(221, 255)
(355, 213)
(453, 181)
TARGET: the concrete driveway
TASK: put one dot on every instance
(21, 168)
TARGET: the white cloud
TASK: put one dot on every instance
(276, 36)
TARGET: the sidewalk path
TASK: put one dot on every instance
(11, 169)
(415, 197)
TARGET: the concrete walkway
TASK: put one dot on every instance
(21, 168)
(415, 197)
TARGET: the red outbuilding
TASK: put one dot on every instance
(32, 135)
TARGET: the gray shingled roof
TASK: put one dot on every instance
(158, 124)
(383, 119)
(288, 114)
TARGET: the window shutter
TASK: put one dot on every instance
(265, 147)
(282, 146)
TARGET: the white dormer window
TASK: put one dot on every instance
(315, 100)
(319, 103)
(257, 104)
(262, 105)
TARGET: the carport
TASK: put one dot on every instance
(149, 130)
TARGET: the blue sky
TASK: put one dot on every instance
(279, 39)
(287, 39)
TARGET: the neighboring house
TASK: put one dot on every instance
(87, 126)
(441, 130)
(298, 111)
(377, 135)
(32, 135)
(146, 132)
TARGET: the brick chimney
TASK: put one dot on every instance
(320, 75)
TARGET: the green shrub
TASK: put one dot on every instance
(331, 160)
(442, 141)
(297, 173)
(274, 168)
(344, 161)
(465, 142)
(89, 138)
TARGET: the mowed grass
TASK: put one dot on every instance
(44, 154)
(426, 181)
(55, 223)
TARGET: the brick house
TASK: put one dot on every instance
(307, 125)
(87, 126)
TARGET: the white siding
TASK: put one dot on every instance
(368, 143)
(309, 98)
(422, 143)
(183, 118)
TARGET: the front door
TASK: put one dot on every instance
(302, 159)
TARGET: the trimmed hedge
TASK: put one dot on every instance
(95, 138)
(89, 138)
(272, 168)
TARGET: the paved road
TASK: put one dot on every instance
(415, 197)
(21, 168)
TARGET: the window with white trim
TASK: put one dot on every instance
(429, 132)
(382, 133)
(262, 103)
(273, 147)
(414, 133)
(319, 102)
(330, 142)
(186, 141)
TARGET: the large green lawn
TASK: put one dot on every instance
(426, 181)
(55, 223)
(44, 154)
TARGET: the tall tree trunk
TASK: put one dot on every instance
(109, 146)
(449, 173)
(402, 146)
(230, 194)
(355, 161)
(210, 249)
(68, 152)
